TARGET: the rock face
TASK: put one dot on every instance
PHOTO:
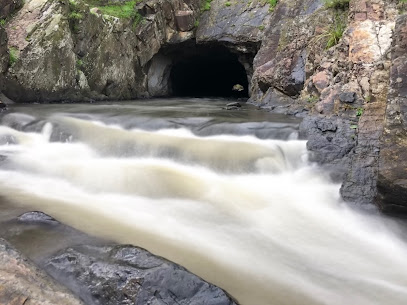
(8, 7)
(130, 275)
(82, 54)
(392, 173)
(23, 283)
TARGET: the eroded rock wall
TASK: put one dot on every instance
(392, 171)
(68, 50)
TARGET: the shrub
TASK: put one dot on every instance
(337, 4)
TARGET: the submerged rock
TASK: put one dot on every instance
(124, 274)
(21, 282)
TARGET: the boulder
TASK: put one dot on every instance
(124, 274)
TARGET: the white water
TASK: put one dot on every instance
(252, 216)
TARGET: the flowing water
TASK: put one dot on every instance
(228, 194)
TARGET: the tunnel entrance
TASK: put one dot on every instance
(209, 71)
(190, 70)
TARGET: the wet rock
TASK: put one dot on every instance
(130, 275)
(330, 140)
(21, 282)
(36, 217)
(234, 104)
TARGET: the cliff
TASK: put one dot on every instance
(331, 62)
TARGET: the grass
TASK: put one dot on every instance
(14, 54)
(122, 11)
(337, 4)
(335, 32)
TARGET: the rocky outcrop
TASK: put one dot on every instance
(72, 51)
(392, 172)
(289, 44)
(8, 7)
(21, 282)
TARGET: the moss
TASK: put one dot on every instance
(120, 10)
(228, 4)
(75, 16)
(272, 4)
(261, 27)
(137, 20)
(14, 54)
(206, 6)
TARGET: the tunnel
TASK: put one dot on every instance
(190, 70)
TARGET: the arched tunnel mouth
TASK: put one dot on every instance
(191, 70)
(208, 71)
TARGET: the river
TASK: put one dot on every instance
(230, 195)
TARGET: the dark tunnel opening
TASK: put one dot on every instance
(208, 71)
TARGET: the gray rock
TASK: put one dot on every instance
(36, 217)
(347, 97)
(124, 274)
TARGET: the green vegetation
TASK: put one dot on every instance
(312, 99)
(2, 22)
(14, 53)
(228, 4)
(75, 16)
(79, 64)
(196, 23)
(206, 5)
(137, 19)
(334, 34)
(272, 4)
(261, 27)
(120, 10)
(353, 126)
(402, 1)
(337, 4)
(359, 112)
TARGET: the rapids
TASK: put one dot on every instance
(230, 195)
